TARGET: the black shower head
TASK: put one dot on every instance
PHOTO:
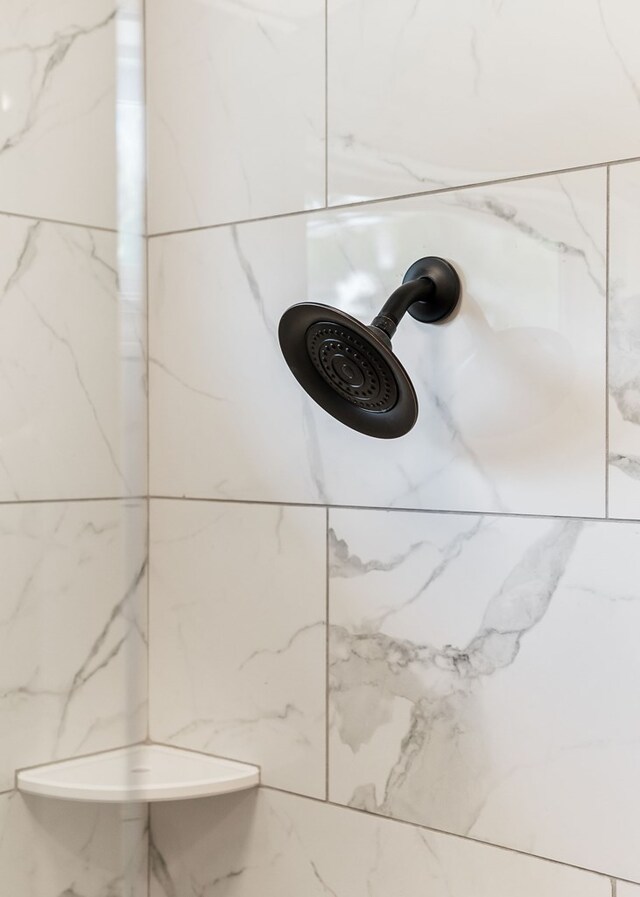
(349, 369)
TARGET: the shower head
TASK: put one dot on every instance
(349, 368)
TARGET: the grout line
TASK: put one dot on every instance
(145, 127)
(614, 888)
(146, 188)
(216, 756)
(148, 499)
(148, 505)
(149, 840)
(326, 658)
(356, 204)
(474, 513)
(147, 353)
(416, 825)
(607, 281)
(326, 103)
(45, 220)
(147, 408)
(149, 644)
(69, 500)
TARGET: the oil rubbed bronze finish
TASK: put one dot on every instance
(349, 368)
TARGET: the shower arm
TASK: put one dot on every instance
(400, 301)
(430, 292)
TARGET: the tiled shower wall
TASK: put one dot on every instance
(72, 451)
(429, 645)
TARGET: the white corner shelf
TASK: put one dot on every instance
(145, 772)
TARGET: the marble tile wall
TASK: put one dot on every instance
(482, 678)
(73, 554)
(57, 125)
(239, 604)
(73, 366)
(480, 612)
(512, 391)
(624, 343)
(72, 630)
(429, 95)
(273, 843)
(79, 849)
(73, 680)
(252, 77)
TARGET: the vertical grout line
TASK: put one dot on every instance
(148, 498)
(326, 103)
(148, 506)
(145, 120)
(148, 850)
(145, 182)
(146, 299)
(606, 336)
(614, 887)
(326, 658)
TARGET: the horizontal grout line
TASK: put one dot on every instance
(62, 501)
(440, 831)
(366, 813)
(295, 213)
(438, 191)
(108, 230)
(468, 513)
(190, 750)
(323, 208)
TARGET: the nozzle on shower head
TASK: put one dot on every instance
(349, 369)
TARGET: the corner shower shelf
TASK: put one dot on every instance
(145, 772)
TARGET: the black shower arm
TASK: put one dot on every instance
(399, 303)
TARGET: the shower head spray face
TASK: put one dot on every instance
(349, 369)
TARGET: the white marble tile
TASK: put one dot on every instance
(57, 110)
(236, 110)
(624, 342)
(130, 114)
(72, 630)
(238, 635)
(271, 843)
(51, 848)
(430, 94)
(625, 889)
(72, 366)
(511, 392)
(483, 679)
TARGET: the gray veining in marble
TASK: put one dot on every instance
(57, 127)
(453, 694)
(73, 632)
(624, 342)
(72, 366)
(238, 639)
(274, 843)
(50, 848)
(496, 432)
(479, 106)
